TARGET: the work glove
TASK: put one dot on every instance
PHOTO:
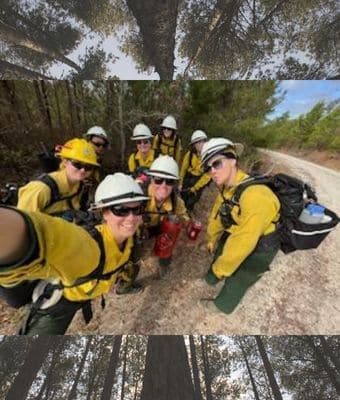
(211, 278)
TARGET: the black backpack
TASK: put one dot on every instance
(293, 195)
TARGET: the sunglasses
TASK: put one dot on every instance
(218, 164)
(168, 182)
(80, 165)
(100, 144)
(146, 141)
(121, 211)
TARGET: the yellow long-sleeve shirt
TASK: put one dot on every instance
(259, 211)
(36, 195)
(167, 147)
(67, 252)
(192, 164)
(136, 160)
(167, 206)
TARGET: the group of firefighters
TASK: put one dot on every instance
(57, 266)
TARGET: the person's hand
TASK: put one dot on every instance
(211, 278)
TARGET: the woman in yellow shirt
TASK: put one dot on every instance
(193, 179)
(74, 265)
(164, 200)
(242, 236)
(63, 190)
(140, 161)
(168, 142)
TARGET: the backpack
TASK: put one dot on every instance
(293, 195)
(9, 194)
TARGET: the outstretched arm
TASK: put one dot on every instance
(14, 236)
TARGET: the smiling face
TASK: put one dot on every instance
(223, 170)
(123, 227)
(144, 146)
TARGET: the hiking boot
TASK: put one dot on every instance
(133, 289)
(210, 306)
(163, 271)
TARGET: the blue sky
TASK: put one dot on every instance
(301, 96)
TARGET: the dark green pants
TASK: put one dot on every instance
(248, 273)
(190, 198)
(54, 320)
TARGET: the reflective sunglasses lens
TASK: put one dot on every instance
(216, 165)
(103, 145)
(169, 182)
(79, 165)
(120, 211)
(143, 141)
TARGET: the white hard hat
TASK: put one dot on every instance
(169, 122)
(219, 145)
(117, 189)
(164, 167)
(141, 131)
(198, 136)
(97, 131)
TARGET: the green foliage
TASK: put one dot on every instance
(318, 129)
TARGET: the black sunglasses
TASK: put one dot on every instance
(121, 211)
(80, 165)
(216, 165)
(169, 182)
(146, 141)
(97, 144)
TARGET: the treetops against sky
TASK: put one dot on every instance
(130, 39)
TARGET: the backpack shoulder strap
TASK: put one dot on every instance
(51, 183)
(242, 186)
(55, 194)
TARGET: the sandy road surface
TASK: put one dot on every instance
(299, 295)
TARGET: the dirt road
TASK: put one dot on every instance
(299, 295)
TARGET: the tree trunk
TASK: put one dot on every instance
(109, 379)
(33, 362)
(157, 21)
(73, 392)
(70, 104)
(56, 353)
(46, 103)
(57, 102)
(207, 375)
(14, 36)
(324, 363)
(167, 371)
(10, 92)
(11, 71)
(124, 368)
(121, 96)
(253, 384)
(195, 373)
(328, 352)
(269, 370)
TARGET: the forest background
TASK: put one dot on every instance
(51, 112)
(163, 367)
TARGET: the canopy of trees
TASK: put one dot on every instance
(218, 39)
(170, 367)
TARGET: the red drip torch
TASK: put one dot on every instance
(193, 229)
(166, 240)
